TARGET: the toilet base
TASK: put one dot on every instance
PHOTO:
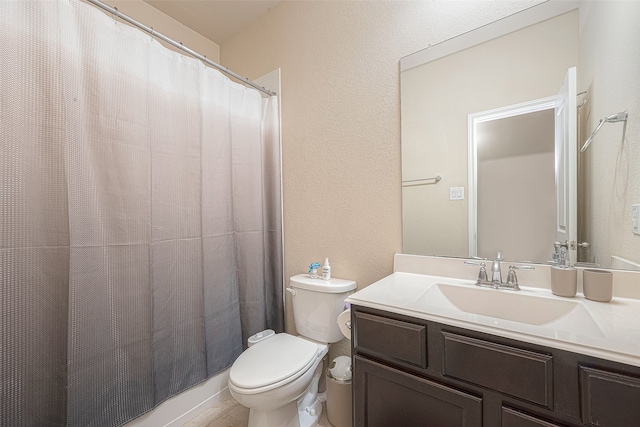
(303, 412)
(286, 416)
(309, 404)
(309, 416)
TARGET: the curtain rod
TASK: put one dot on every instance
(178, 45)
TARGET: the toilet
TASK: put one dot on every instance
(277, 376)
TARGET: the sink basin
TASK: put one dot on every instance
(507, 305)
(513, 306)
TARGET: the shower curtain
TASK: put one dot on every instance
(140, 218)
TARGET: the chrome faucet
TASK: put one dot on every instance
(496, 273)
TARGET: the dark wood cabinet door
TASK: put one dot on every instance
(393, 340)
(509, 370)
(609, 399)
(385, 397)
(513, 418)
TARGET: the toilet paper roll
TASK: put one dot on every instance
(344, 323)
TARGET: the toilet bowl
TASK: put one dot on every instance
(277, 377)
(272, 375)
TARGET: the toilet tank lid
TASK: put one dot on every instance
(333, 286)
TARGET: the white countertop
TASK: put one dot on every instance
(606, 330)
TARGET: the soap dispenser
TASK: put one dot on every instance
(326, 270)
(564, 279)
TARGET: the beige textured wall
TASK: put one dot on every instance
(437, 98)
(341, 118)
(609, 69)
(152, 17)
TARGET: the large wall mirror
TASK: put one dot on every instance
(522, 60)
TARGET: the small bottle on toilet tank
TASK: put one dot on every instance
(326, 270)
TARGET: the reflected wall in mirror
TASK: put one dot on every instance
(601, 39)
(512, 153)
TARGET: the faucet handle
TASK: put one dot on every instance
(482, 274)
(512, 279)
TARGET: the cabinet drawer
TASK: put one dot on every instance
(391, 339)
(385, 397)
(519, 373)
(513, 418)
(609, 399)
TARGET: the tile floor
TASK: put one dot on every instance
(228, 413)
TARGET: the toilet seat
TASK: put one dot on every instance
(272, 363)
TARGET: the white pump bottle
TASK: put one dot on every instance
(326, 270)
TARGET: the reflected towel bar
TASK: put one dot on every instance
(414, 182)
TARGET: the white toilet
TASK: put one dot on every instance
(277, 378)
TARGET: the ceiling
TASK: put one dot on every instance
(217, 20)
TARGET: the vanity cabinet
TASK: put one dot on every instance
(413, 372)
(395, 398)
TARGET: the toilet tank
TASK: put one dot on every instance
(317, 304)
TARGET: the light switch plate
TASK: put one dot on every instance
(456, 193)
(635, 218)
